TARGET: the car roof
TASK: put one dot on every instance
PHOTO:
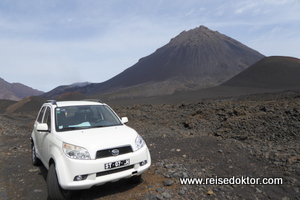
(74, 103)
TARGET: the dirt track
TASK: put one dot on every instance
(254, 137)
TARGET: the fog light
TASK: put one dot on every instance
(80, 177)
(144, 162)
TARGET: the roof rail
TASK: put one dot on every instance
(53, 102)
(96, 100)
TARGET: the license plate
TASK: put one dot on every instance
(116, 164)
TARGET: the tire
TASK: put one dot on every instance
(136, 179)
(35, 160)
(55, 192)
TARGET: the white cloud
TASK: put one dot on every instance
(77, 40)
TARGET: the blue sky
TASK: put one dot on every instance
(44, 44)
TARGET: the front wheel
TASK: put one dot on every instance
(136, 179)
(54, 189)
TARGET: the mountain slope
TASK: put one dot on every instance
(201, 55)
(198, 58)
(276, 72)
(26, 105)
(16, 91)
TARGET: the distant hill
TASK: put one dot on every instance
(65, 89)
(275, 72)
(198, 58)
(4, 103)
(71, 96)
(27, 104)
(16, 91)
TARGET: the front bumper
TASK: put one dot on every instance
(95, 174)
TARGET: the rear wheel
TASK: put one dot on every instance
(54, 189)
(35, 160)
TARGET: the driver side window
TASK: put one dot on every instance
(47, 118)
(41, 114)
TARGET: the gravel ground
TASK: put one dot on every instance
(248, 137)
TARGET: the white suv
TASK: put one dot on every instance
(83, 144)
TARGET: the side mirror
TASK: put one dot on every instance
(124, 120)
(42, 127)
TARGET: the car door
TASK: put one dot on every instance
(41, 136)
(44, 136)
(38, 134)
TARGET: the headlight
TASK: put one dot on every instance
(139, 143)
(76, 152)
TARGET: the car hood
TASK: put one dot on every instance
(95, 139)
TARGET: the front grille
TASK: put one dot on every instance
(114, 171)
(108, 152)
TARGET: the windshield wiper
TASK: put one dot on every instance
(107, 125)
(98, 126)
(73, 128)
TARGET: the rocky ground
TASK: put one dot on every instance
(254, 136)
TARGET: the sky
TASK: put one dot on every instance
(44, 44)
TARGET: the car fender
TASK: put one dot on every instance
(55, 154)
(61, 164)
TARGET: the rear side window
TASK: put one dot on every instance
(40, 116)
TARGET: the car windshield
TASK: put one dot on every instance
(82, 117)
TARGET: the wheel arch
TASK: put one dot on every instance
(51, 161)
